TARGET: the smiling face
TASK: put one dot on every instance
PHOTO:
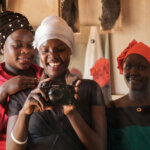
(18, 51)
(136, 70)
(55, 57)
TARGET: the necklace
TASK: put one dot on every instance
(139, 109)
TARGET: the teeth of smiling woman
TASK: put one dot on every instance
(54, 64)
(24, 59)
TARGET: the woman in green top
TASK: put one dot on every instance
(129, 116)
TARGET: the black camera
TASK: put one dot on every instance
(59, 94)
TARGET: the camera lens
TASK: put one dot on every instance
(55, 94)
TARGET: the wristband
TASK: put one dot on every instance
(17, 141)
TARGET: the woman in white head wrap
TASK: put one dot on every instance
(57, 30)
(53, 27)
(62, 113)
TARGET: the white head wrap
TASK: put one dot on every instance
(53, 27)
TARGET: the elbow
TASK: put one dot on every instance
(98, 142)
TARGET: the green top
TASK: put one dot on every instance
(128, 129)
(129, 138)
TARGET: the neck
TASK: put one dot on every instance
(139, 95)
(60, 79)
(11, 71)
(14, 71)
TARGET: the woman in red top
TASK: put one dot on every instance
(17, 72)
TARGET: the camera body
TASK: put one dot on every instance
(59, 95)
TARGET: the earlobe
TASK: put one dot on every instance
(2, 51)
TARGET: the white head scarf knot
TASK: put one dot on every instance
(53, 27)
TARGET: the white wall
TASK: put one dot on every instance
(135, 25)
(34, 10)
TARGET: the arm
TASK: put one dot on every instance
(18, 124)
(95, 137)
(15, 85)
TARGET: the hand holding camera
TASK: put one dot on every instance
(65, 96)
(61, 94)
(46, 96)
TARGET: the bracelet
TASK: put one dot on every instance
(16, 141)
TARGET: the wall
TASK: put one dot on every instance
(34, 10)
(135, 25)
(37, 10)
(78, 55)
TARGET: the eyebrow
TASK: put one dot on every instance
(61, 45)
(21, 41)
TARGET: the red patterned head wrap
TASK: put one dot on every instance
(134, 47)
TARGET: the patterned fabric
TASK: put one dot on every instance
(4, 110)
(10, 22)
(53, 27)
(133, 48)
(128, 128)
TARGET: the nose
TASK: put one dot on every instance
(24, 50)
(134, 70)
(53, 53)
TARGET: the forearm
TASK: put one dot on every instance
(88, 136)
(3, 95)
(20, 132)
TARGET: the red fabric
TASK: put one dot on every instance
(101, 72)
(4, 111)
(133, 48)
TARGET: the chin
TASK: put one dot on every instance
(52, 74)
(55, 74)
(25, 67)
(138, 88)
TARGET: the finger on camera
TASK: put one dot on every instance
(43, 76)
(78, 83)
(76, 89)
(39, 91)
(37, 107)
(41, 101)
(76, 96)
(44, 81)
(43, 95)
(35, 104)
(48, 108)
(70, 107)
